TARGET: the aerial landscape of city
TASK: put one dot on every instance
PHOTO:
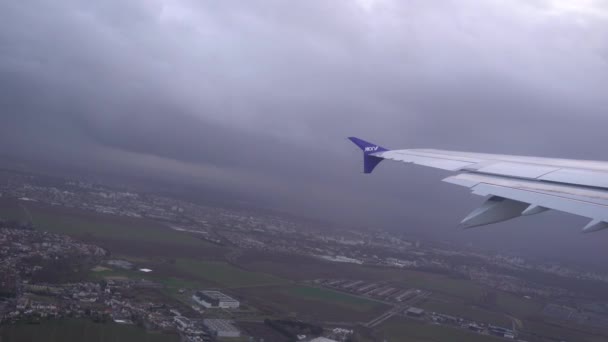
(303, 171)
(116, 261)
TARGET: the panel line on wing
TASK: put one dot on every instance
(569, 205)
(437, 155)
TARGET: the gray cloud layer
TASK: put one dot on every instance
(257, 96)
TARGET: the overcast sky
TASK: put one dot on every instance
(257, 97)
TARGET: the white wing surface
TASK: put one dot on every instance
(514, 185)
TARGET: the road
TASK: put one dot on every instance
(397, 309)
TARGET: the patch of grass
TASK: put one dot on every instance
(517, 306)
(461, 288)
(310, 268)
(225, 274)
(114, 274)
(330, 297)
(99, 269)
(172, 284)
(176, 283)
(12, 210)
(106, 227)
(404, 330)
(233, 339)
(311, 304)
(135, 237)
(73, 330)
(558, 332)
(460, 309)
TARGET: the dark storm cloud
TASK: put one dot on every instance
(257, 96)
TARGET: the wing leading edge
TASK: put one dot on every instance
(513, 185)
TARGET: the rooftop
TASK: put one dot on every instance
(415, 311)
(220, 325)
(218, 295)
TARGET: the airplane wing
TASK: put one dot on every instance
(513, 185)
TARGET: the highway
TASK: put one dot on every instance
(397, 309)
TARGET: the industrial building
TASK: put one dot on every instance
(222, 327)
(414, 312)
(215, 299)
(183, 323)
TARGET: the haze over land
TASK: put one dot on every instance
(253, 99)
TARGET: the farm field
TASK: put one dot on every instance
(457, 308)
(400, 329)
(226, 275)
(517, 306)
(313, 303)
(72, 330)
(331, 297)
(558, 332)
(11, 210)
(126, 236)
(310, 268)
(193, 275)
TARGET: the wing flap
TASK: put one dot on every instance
(517, 170)
(577, 207)
(591, 203)
(581, 177)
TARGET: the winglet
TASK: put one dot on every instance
(369, 161)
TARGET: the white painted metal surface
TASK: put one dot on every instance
(589, 178)
(529, 185)
(530, 171)
(439, 163)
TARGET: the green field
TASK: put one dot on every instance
(517, 306)
(310, 268)
(81, 223)
(225, 274)
(460, 309)
(171, 283)
(138, 238)
(179, 260)
(144, 242)
(461, 288)
(329, 297)
(72, 330)
(192, 274)
(560, 332)
(405, 330)
(107, 227)
(310, 303)
(12, 210)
